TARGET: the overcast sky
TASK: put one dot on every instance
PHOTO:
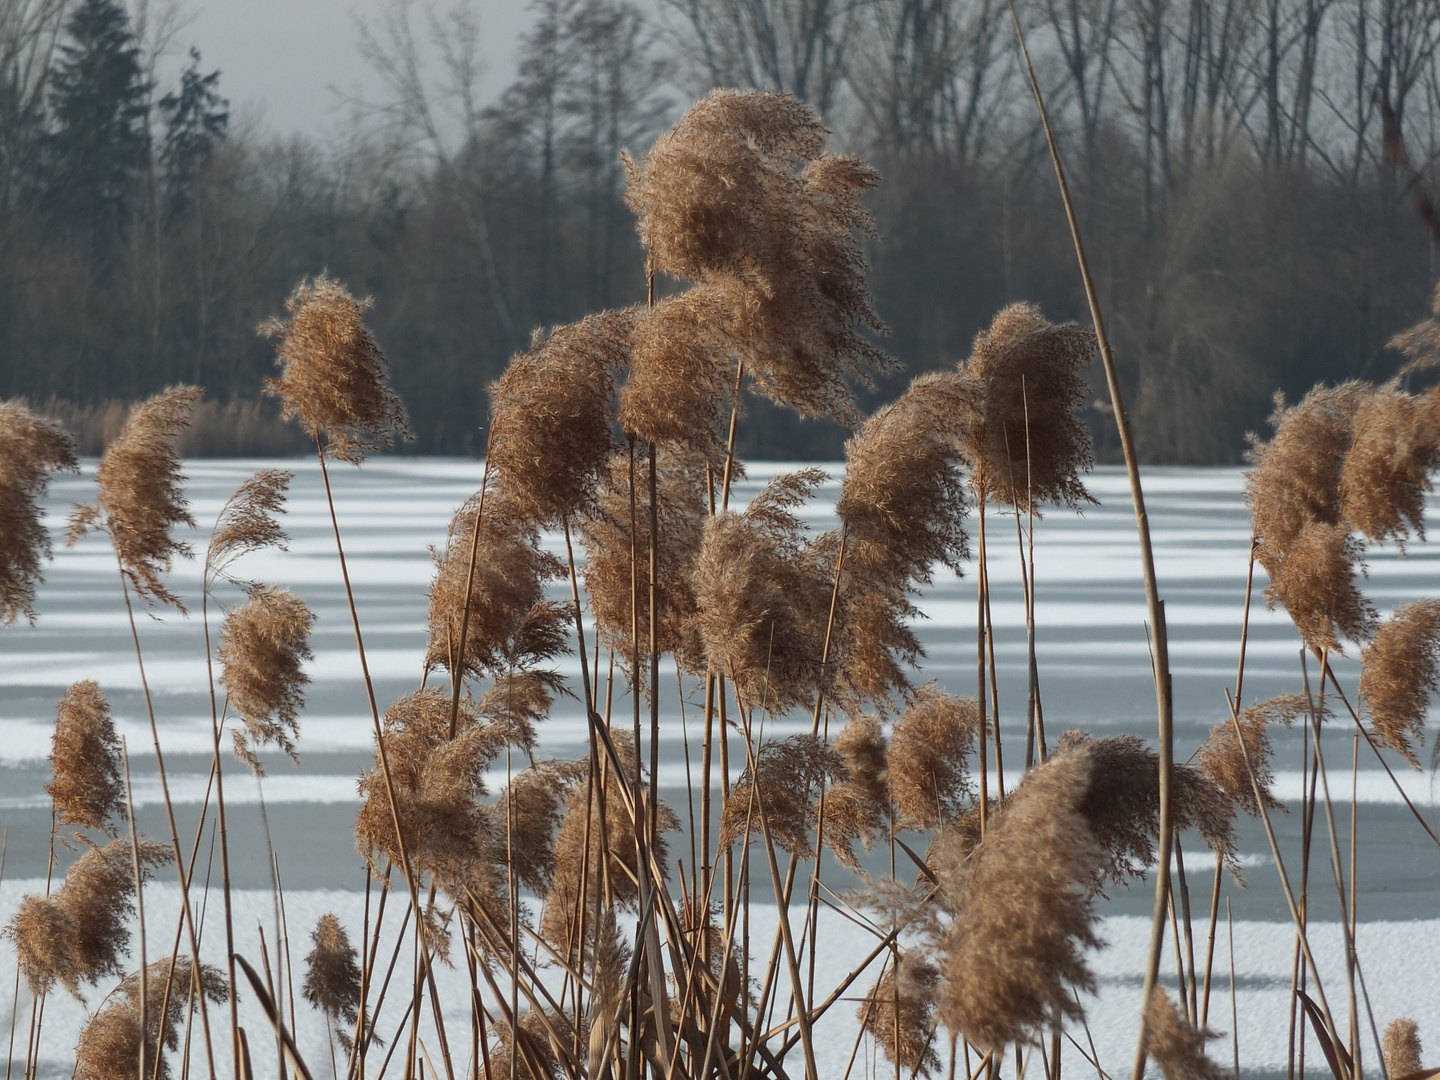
(288, 58)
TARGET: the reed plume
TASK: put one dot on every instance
(1401, 1046)
(1399, 671)
(533, 805)
(109, 1045)
(1386, 472)
(1122, 805)
(929, 758)
(1421, 342)
(31, 448)
(332, 975)
(509, 621)
(1221, 759)
(902, 505)
(439, 786)
(784, 785)
(516, 702)
(80, 934)
(763, 597)
(740, 190)
(1025, 441)
(572, 884)
(263, 647)
(550, 416)
(681, 509)
(141, 496)
(911, 997)
(333, 377)
(248, 522)
(858, 808)
(534, 1056)
(1012, 955)
(1175, 1044)
(85, 784)
(1293, 492)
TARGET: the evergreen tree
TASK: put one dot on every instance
(196, 117)
(98, 146)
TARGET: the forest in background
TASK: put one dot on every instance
(1247, 229)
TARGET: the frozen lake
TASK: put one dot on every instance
(1094, 670)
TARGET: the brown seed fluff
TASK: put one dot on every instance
(333, 377)
(1421, 342)
(1174, 1043)
(248, 522)
(791, 773)
(1025, 441)
(263, 646)
(858, 808)
(1026, 912)
(1386, 471)
(1123, 804)
(560, 920)
(508, 615)
(30, 449)
(1398, 673)
(1401, 1045)
(85, 783)
(763, 597)
(439, 784)
(912, 996)
(44, 935)
(681, 510)
(109, 1045)
(1317, 586)
(902, 505)
(142, 498)
(739, 189)
(550, 416)
(537, 796)
(929, 758)
(332, 972)
(1221, 759)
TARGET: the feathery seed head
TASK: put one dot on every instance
(1024, 440)
(30, 449)
(1398, 672)
(904, 1007)
(858, 808)
(533, 805)
(929, 758)
(109, 1045)
(85, 760)
(248, 522)
(1317, 587)
(791, 773)
(333, 377)
(1401, 1045)
(332, 972)
(142, 498)
(97, 899)
(550, 417)
(263, 645)
(1174, 1043)
(43, 935)
(1386, 472)
(1221, 759)
(763, 597)
(1012, 955)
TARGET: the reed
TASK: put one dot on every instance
(590, 950)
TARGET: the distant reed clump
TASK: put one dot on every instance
(239, 427)
(31, 448)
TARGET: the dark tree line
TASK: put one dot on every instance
(1247, 229)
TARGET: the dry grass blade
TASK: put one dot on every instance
(1026, 913)
(264, 644)
(141, 498)
(85, 784)
(1174, 1043)
(30, 449)
(333, 377)
(1399, 671)
(550, 416)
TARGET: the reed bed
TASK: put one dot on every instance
(594, 941)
